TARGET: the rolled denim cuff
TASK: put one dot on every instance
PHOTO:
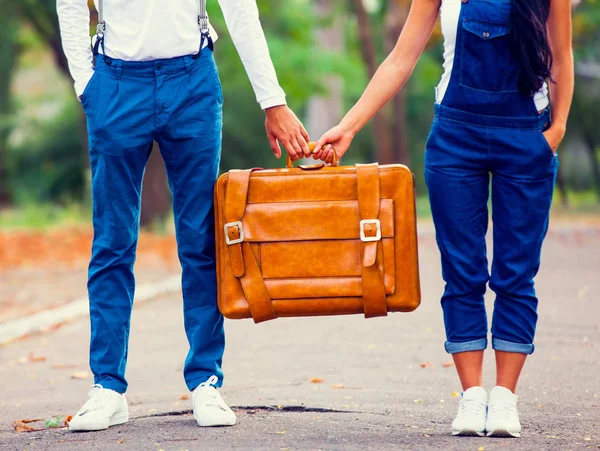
(475, 345)
(509, 346)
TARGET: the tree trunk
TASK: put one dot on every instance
(396, 15)
(383, 141)
(325, 112)
(156, 200)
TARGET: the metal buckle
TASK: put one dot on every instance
(100, 29)
(368, 239)
(237, 224)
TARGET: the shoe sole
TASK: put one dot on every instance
(211, 424)
(503, 433)
(114, 421)
(468, 433)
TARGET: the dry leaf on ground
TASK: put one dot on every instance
(184, 397)
(317, 380)
(28, 425)
(448, 364)
(80, 375)
(337, 386)
(427, 365)
(35, 359)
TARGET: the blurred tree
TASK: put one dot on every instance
(324, 111)
(8, 53)
(383, 140)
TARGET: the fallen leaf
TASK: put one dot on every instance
(45, 424)
(427, 365)
(425, 435)
(68, 419)
(281, 432)
(22, 425)
(448, 364)
(317, 380)
(588, 439)
(455, 394)
(53, 422)
(121, 440)
(337, 386)
(184, 397)
(80, 375)
(481, 448)
(33, 358)
(418, 400)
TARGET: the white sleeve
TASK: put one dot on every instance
(241, 17)
(74, 21)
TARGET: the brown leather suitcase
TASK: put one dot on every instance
(316, 240)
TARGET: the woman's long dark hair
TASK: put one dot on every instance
(529, 18)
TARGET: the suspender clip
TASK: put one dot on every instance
(100, 29)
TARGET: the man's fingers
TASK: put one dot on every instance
(302, 142)
(304, 133)
(291, 150)
(274, 145)
(296, 146)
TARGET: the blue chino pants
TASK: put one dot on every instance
(178, 103)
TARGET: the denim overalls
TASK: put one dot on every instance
(484, 126)
(178, 103)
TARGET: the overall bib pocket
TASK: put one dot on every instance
(485, 56)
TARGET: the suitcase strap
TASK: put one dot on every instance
(244, 264)
(369, 198)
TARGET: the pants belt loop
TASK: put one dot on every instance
(118, 68)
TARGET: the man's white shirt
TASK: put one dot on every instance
(146, 30)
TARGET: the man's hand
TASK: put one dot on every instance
(282, 125)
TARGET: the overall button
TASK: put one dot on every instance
(465, 1)
(485, 34)
(159, 66)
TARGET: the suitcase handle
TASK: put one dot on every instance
(311, 147)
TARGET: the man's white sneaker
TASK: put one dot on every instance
(104, 408)
(503, 417)
(209, 407)
(470, 419)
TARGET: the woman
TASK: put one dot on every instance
(506, 63)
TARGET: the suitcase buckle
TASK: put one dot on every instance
(237, 224)
(365, 222)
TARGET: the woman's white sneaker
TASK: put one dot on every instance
(470, 420)
(209, 407)
(503, 416)
(104, 408)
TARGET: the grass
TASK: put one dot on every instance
(43, 216)
(582, 205)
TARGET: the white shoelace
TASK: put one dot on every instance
(469, 407)
(207, 389)
(502, 408)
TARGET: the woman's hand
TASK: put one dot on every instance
(336, 140)
(554, 136)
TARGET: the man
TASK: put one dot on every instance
(155, 79)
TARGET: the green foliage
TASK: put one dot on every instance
(47, 164)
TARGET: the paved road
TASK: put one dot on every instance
(388, 401)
